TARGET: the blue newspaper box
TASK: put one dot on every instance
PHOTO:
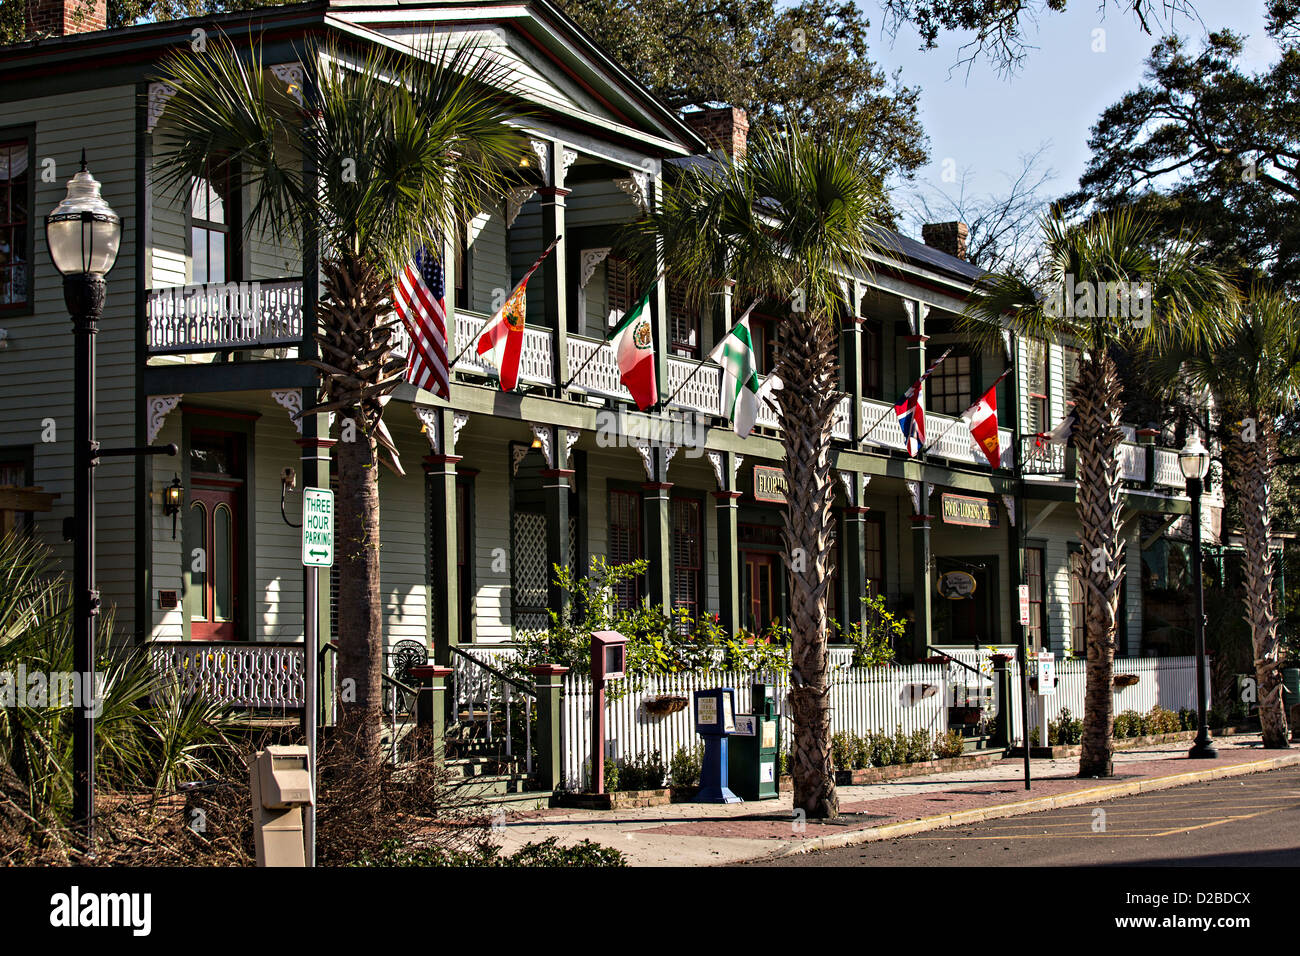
(715, 721)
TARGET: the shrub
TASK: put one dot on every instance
(612, 776)
(1128, 724)
(1187, 718)
(873, 638)
(883, 750)
(862, 751)
(951, 744)
(1066, 729)
(547, 853)
(842, 750)
(920, 746)
(685, 766)
(1161, 721)
(643, 772)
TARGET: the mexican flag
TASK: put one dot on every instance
(982, 418)
(634, 348)
(735, 353)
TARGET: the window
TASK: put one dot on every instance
(874, 531)
(1036, 386)
(625, 541)
(688, 554)
(1073, 363)
(211, 241)
(15, 472)
(1034, 578)
(462, 267)
(684, 322)
(950, 386)
(872, 360)
(1078, 619)
(15, 224)
(619, 289)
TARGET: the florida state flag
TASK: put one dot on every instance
(982, 419)
(503, 336)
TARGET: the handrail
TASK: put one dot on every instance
(973, 670)
(397, 683)
(530, 690)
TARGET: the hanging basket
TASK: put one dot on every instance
(1126, 680)
(665, 704)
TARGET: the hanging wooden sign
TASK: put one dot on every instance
(972, 512)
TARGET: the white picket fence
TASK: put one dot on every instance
(862, 699)
(1168, 682)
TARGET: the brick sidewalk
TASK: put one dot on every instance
(685, 834)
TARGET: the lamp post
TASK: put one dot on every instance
(83, 234)
(1194, 461)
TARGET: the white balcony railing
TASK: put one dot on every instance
(534, 364)
(951, 436)
(206, 318)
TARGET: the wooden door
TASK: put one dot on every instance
(214, 573)
(760, 579)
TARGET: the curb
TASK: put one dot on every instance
(890, 831)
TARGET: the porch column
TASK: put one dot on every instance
(658, 531)
(548, 679)
(851, 362)
(443, 542)
(555, 487)
(728, 508)
(853, 556)
(555, 268)
(314, 447)
(921, 558)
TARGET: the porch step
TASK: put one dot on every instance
(486, 788)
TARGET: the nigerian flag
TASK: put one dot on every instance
(735, 353)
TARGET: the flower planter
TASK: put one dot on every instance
(1126, 680)
(618, 800)
(665, 704)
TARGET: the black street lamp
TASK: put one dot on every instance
(1194, 460)
(83, 234)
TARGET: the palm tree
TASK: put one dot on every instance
(1254, 376)
(391, 151)
(790, 220)
(1167, 294)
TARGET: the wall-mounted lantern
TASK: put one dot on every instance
(173, 498)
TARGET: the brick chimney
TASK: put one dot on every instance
(949, 237)
(726, 129)
(64, 17)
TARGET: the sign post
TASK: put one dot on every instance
(317, 553)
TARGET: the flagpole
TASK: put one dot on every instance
(890, 410)
(527, 275)
(961, 417)
(700, 364)
(938, 438)
(596, 350)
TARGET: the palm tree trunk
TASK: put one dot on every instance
(1097, 435)
(809, 375)
(1251, 470)
(361, 636)
(356, 359)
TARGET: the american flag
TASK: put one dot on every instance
(420, 303)
(911, 414)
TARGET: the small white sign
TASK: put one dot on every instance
(1024, 604)
(746, 725)
(766, 772)
(708, 711)
(1046, 674)
(317, 528)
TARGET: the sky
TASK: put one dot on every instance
(980, 123)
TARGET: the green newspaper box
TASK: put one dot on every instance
(752, 769)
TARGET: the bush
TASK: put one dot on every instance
(883, 752)
(686, 764)
(861, 751)
(873, 638)
(920, 747)
(951, 744)
(643, 772)
(1065, 730)
(547, 853)
(842, 750)
(1128, 724)
(612, 776)
(1161, 721)
(1187, 718)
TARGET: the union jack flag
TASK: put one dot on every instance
(911, 415)
(419, 298)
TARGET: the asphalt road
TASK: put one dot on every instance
(1242, 821)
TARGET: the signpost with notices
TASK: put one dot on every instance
(317, 553)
